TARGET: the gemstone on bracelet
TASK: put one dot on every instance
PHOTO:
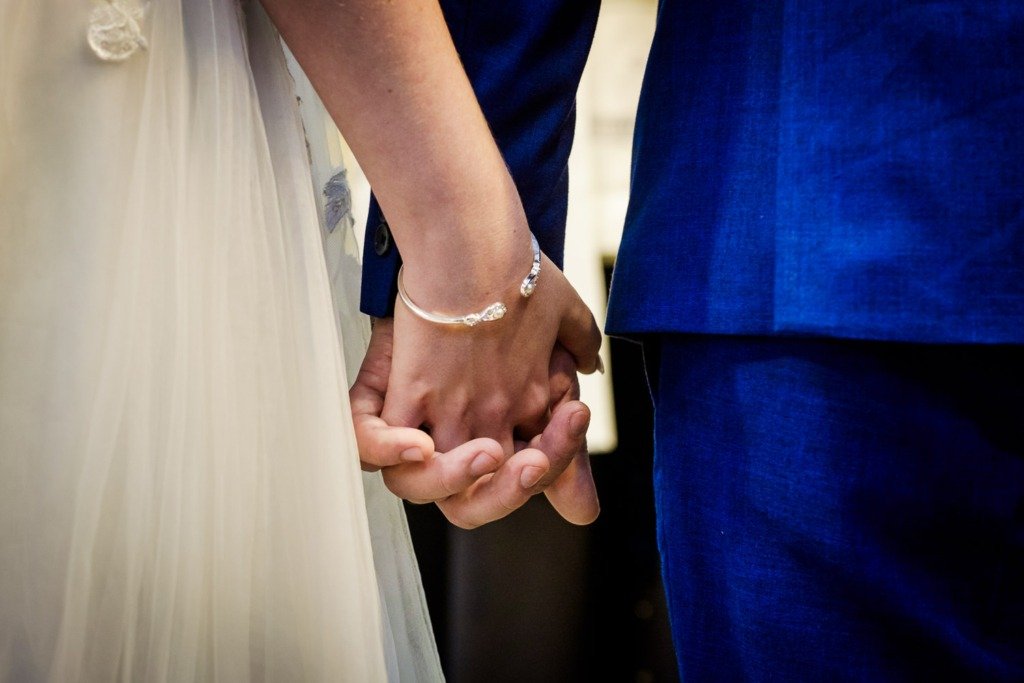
(495, 311)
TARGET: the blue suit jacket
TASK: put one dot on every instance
(848, 169)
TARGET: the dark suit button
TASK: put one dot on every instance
(382, 238)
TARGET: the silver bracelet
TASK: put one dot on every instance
(495, 311)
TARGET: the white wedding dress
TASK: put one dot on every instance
(180, 492)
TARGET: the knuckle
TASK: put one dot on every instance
(398, 416)
(450, 399)
(495, 410)
(574, 388)
(406, 398)
(536, 399)
(395, 483)
(457, 517)
(562, 385)
(457, 403)
(448, 435)
(374, 451)
(510, 501)
(448, 480)
(419, 391)
(374, 374)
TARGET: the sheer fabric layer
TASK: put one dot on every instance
(180, 496)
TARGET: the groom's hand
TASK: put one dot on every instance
(572, 491)
(566, 480)
(461, 480)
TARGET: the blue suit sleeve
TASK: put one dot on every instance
(524, 60)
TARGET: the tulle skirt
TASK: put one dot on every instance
(180, 492)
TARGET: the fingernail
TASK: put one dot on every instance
(411, 455)
(482, 464)
(530, 476)
(600, 365)
(578, 424)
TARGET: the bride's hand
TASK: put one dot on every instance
(405, 105)
(490, 380)
(473, 483)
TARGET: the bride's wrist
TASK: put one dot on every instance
(471, 259)
(469, 275)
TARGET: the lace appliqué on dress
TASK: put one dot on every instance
(338, 200)
(114, 31)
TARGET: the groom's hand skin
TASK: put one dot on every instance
(566, 481)
(461, 480)
(572, 491)
(548, 459)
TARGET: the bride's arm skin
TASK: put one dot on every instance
(391, 79)
(389, 75)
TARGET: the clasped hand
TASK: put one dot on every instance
(480, 420)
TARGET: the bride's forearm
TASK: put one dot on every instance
(390, 77)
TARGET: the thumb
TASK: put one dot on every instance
(579, 334)
(376, 366)
(381, 445)
(572, 492)
(367, 393)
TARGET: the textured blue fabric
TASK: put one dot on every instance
(850, 169)
(828, 510)
(524, 60)
(844, 169)
(840, 510)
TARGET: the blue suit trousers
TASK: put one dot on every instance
(840, 510)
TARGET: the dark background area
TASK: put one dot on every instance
(534, 598)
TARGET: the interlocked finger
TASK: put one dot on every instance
(525, 474)
(383, 446)
(495, 496)
(446, 474)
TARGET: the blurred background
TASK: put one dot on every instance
(531, 597)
